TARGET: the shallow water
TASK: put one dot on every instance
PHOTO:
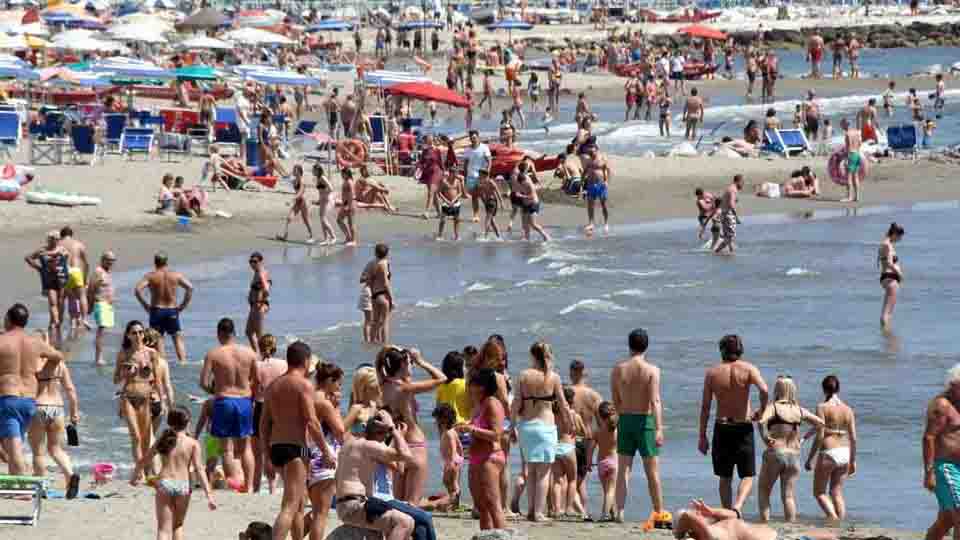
(802, 292)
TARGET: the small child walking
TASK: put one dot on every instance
(606, 438)
(451, 451)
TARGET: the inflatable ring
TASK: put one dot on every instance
(9, 190)
(351, 153)
(837, 167)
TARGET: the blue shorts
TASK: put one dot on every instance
(538, 440)
(165, 320)
(15, 415)
(471, 183)
(597, 191)
(232, 417)
(948, 484)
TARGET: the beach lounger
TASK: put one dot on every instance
(903, 140)
(17, 487)
(115, 123)
(788, 142)
(137, 141)
(302, 140)
(9, 133)
(84, 143)
(53, 124)
(173, 143)
(199, 138)
(153, 122)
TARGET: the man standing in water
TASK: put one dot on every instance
(21, 357)
(78, 269)
(163, 308)
(867, 121)
(693, 114)
(597, 177)
(586, 403)
(728, 217)
(635, 389)
(815, 54)
(228, 373)
(852, 141)
(289, 415)
(941, 456)
(733, 446)
(100, 295)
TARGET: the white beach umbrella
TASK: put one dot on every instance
(137, 32)
(256, 36)
(204, 42)
(15, 42)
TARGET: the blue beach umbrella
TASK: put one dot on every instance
(418, 25)
(291, 78)
(330, 25)
(510, 25)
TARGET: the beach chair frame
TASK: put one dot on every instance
(115, 124)
(97, 149)
(894, 139)
(776, 144)
(20, 486)
(137, 141)
(10, 133)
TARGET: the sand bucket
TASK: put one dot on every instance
(103, 473)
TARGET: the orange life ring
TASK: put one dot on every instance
(351, 153)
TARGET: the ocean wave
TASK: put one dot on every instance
(577, 268)
(558, 255)
(530, 283)
(685, 285)
(479, 286)
(555, 265)
(593, 304)
(799, 271)
(426, 305)
(342, 325)
(629, 292)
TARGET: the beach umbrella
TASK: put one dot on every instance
(15, 42)
(127, 8)
(196, 73)
(18, 71)
(203, 19)
(387, 78)
(160, 4)
(137, 32)
(256, 36)
(204, 42)
(330, 25)
(290, 78)
(510, 25)
(701, 31)
(62, 76)
(418, 25)
(132, 69)
(428, 91)
(259, 17)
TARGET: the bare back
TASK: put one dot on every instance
(234, 370)
(284, 404)
(840, 421)
(586, 403)
(632, 384)
(76, 252)
(356, 464)
(538, 391)
(730, 383)
(176, 464)
(163, 287)
(20, 360)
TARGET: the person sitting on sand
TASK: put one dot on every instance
(771, 121)
(166, 199)
(702, 522)
(372, 194)
(803, 184)
(751, 133)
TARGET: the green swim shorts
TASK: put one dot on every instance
(637, 433)
(853, 162)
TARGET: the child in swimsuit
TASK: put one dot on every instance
(178, 452)
(489, 193)
(451, 451)
(606, 440)
(566, 499)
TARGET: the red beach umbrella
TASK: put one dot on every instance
(701, 31)
(426, 91)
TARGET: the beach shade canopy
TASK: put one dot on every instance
(130, 68)
(510, 24)
(330, 25)
(10, 70)
(62, 76)
(196, 73)
(137, 32)
(387, 78)
(202, 20)
(290, 78)
(428, 91)
(256, 36)
(204, 42)
(701, 31)
(259, 17)
(418, 25)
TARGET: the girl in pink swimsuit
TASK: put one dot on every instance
(451, 451)
(606, 438)
(486, 457)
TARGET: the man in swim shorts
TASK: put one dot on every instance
(289, 415)
(596, 172)
(852, 140)
(702, 522)
(726, 214)
(448, 198)
(477, 158)
(21, 357)
(635, 389)
(586, 403)
(815, 54)
(163, 307)
(228, 373)
(941, 455)
(733, 447)
(77, 270)
(693, 114)
(100, 295)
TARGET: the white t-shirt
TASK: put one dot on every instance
(243, 111)
(478, 159)
(664, 66)
(677, 63)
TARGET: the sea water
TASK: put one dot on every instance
(802, 291)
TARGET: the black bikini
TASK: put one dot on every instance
(778, 420)
(283, 453)
(891, 275)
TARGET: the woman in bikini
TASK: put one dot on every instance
(365, 398)
(179, 453)
(321, 484)
(325, 205)
(891, 273)
(395, 371)
(780, 430)
(532, 414)
(380, 279)
(258, 298)
(493, 355)
(159, 406)
(53, 381)
(299, 207)
(835, 449)
(486, 457)
(135, 372)
(50, 262)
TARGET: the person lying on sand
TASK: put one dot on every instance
(739, 146)
(803, 184)
(702, 522)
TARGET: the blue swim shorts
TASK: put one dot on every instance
(232, 417)
(15, 415)
(165, 320)
(948, 484)
(538, 440)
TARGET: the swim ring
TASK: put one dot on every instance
(351, 153)
(9, 190)
(837, 167)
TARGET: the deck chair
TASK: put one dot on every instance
(228, 139)
(9, 133)
(115, 123)
(785, 141)
(136, 141)
(154, 122)
(53, 124)
(903, 140)
(301, 140)
(199, 135)
(84, 143)
(23, 486)
(173, 143)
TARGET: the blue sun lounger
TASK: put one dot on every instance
(903, 140)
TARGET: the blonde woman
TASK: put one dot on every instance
(159, 406)
(136, 373)
(780, 429)
(268, 369)
(365, 400)
(53, 382)
(835, 449)
(538, 388)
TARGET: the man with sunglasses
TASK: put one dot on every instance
(100, 298)
(733, 438)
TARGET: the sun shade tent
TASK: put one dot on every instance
(204, 42)
(418, 25)
(256, 36)
(387, 78)
(427, 91)
(132, 69)
(291, 78)
(203, 19)
(701, 31)
(330, 25)
(196, 73)
(510, 25)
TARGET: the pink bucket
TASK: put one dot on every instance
(103, 472)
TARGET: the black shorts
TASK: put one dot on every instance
(751, 75)
(733, 447)
(582, 459)
(812, 125)
(491, 206)
(283, 453)
(450, 210)
(257, 414)
(516, 201)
